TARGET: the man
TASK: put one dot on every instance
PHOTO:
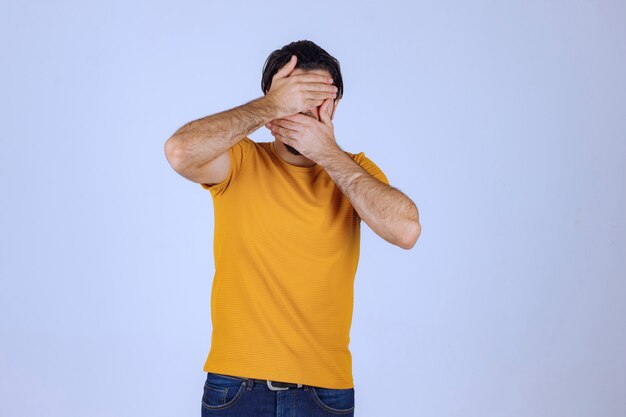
(286, 243)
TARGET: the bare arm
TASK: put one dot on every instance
(200, 141)
(198, 150)
(388, 211)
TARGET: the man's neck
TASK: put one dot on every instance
(285, 155)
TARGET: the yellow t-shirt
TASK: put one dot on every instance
(286, 249)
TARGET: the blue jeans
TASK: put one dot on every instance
(231, 396)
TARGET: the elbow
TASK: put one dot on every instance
(173, 153)
(411, 235)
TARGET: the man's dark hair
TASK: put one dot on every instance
(310, 56)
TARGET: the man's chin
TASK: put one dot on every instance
(292, 150)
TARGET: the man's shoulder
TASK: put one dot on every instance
(355, 155)
(368, 165)
(250, 144)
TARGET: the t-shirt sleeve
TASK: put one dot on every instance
(370, 167)
(237, 153)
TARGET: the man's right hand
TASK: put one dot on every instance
(299, 92)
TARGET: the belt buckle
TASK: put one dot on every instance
(273, 388)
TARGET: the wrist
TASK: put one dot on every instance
(272, 111)
(330, 154)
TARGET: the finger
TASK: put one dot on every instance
(285, 139)
(286, 123)
(325, 112)
(319, 95)
(314, 78)
(285, 131)
(286, 69)
(329, 88)
(314, 102)
(298, 118)
(270, 122)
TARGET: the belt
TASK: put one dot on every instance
(277, 385)
(272, 385)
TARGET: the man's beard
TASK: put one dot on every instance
(292, 150)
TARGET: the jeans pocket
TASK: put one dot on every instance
(338, 401)
(221, 391)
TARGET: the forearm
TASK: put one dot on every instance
(388, 211)
(201, 140)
